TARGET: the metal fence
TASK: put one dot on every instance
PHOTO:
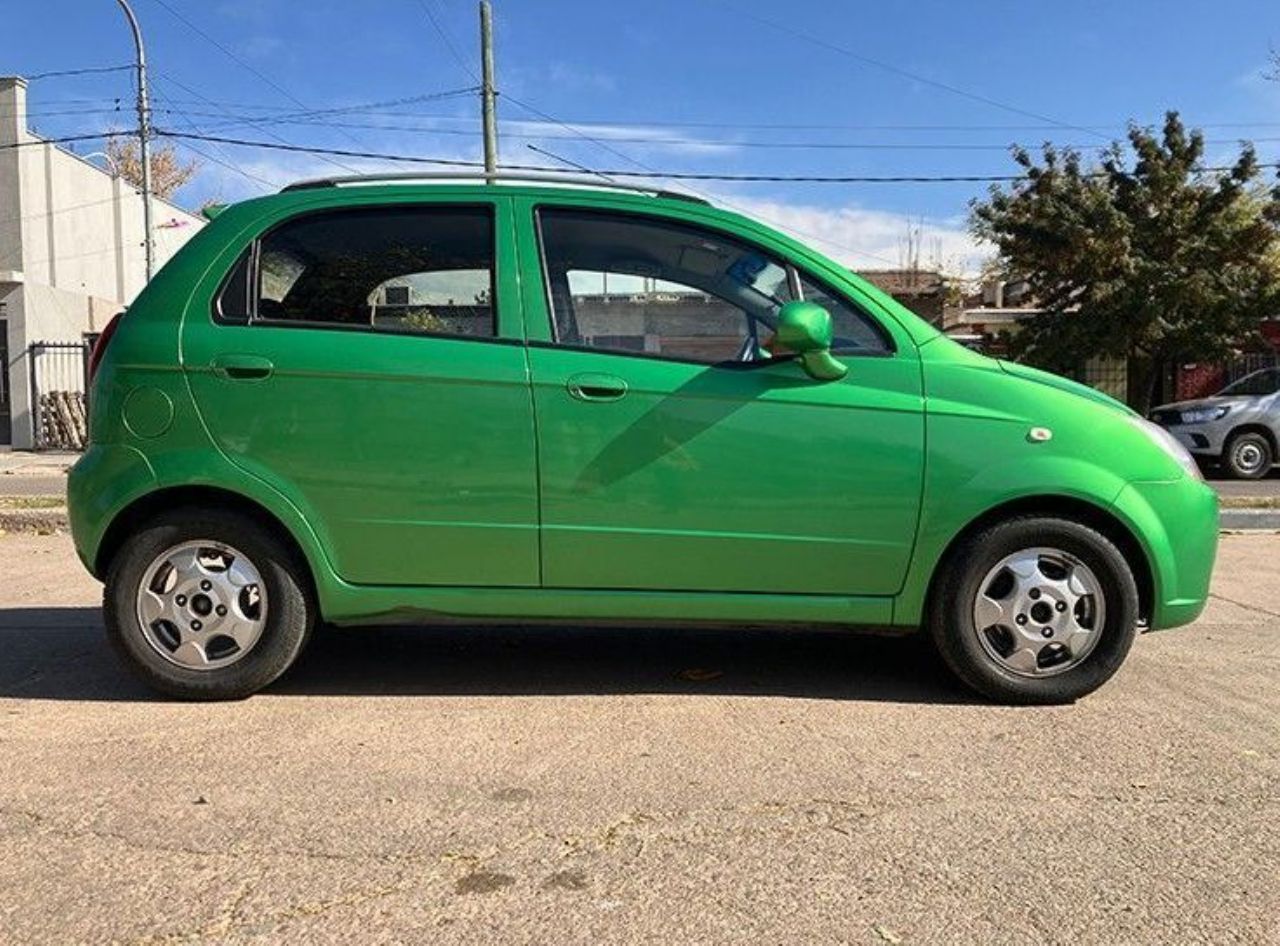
(59, 381)
(1249, 363)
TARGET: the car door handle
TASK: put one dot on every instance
(596, 387)
(243, 367)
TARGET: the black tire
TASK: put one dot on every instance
(289, 620)
(1241, 449)
(952, 627)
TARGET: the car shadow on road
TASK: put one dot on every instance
(62, 654)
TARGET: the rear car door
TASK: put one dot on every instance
(675, 454)
(367, 361)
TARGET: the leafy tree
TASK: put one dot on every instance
(168, 171)
(1152, 258)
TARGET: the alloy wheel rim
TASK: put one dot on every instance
(1039, 612)
(202, 605)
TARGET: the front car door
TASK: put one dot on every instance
(675, 453)
(368, 362)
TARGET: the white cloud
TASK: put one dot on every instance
(864, 238)
(857, 236)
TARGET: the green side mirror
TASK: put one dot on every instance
(805, 329)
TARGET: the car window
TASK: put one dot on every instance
(854, 332)
(1256, 384)
(407, 269)
(640, 285)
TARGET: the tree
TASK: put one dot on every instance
(1154, 260)
(168, 171)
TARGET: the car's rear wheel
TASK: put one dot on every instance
(1035, 610)
(207, 605)
(1248, 456)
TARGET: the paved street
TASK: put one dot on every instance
(590, 786)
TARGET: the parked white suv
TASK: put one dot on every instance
(1239, 426)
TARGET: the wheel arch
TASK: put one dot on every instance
(152, 503)
(1061, 507)
(1253, 428)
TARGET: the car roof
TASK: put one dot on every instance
(479, 180)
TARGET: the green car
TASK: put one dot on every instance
(442, 400)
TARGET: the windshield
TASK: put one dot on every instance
(1258, 383)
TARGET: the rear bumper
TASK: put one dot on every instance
(1177, 523)
(103, 480)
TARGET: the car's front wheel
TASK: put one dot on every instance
(1035, 610)
(207, 605)
(1248, 456)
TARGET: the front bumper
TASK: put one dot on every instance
(1204, 440)
(1177, 523)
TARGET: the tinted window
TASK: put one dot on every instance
(406, 269)
(854, 331)
(636, 285)
(235, 300)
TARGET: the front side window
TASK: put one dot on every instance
(406, 269)
(854, 333)
(653, 287)
(668, 289)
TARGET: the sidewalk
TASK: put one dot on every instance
(29, 463)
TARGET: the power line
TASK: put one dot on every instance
(92, 70)
(57, 141)
(724, 143)
(190, 91)
(899, 71)
(444, 36)
(227, 163)
(647, 173)
(234, 58)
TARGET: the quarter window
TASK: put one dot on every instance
(854, 333)
(406, 269)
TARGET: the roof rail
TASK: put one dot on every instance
(572, 180)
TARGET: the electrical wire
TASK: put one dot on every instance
(647, 172)
(444, 36)
(92, 70)
(899, 71)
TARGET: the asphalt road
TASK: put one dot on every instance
(582, 786)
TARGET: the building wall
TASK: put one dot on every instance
(71, 245)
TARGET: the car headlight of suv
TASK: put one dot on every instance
(1205, 415)
(1170, 445)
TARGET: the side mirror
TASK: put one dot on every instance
(805, 329)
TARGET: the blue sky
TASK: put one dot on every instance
(708, 86)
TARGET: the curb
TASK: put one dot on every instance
(34, 521)
(1245, 518)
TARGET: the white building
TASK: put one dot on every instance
(71, 251)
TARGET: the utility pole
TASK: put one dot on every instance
(486, 92)
(144, 138)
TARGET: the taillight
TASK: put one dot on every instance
(100, 346)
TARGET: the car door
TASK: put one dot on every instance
(675, 453)
(368, 362)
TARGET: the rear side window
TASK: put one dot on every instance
(403, 269)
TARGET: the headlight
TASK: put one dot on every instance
(1170, 445)
(1205, 415)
